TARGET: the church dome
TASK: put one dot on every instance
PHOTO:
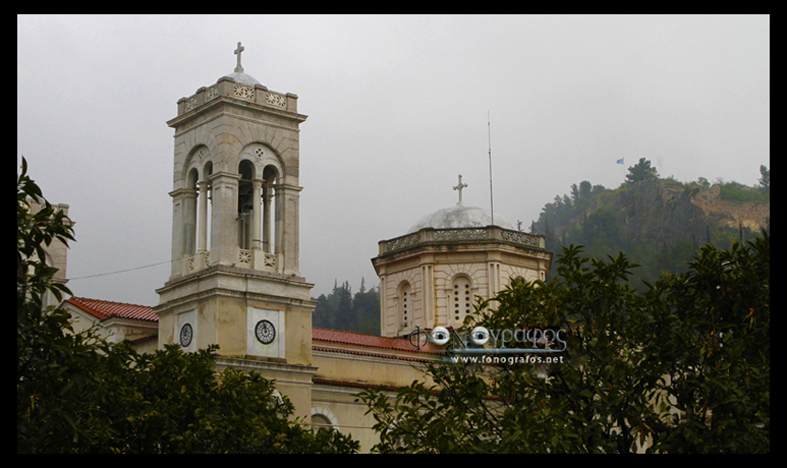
(460, 217)
(243, 78)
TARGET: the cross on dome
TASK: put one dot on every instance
(459, 187)
(239, 68)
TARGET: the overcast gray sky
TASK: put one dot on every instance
(398, 106)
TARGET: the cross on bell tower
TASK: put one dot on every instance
(239, 68)
(459, 187)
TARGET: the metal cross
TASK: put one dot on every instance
(459, 187)
(240, 49)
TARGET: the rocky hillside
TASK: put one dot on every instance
(657, 223)
(753, 215)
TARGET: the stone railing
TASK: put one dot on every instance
(196, 262)
(245, 257)
(257, 259)
(462, 235)
(227, 86)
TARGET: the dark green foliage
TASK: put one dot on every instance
(699, 340)
(710, 330)
(341, 310)
(641, 171)
(736, 192)
(35, 230)
(765, 179)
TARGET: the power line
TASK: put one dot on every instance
(122, 271)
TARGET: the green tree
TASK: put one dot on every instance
(77, 393)
(710, 332)
(585, 189)
(182, 405)
(341, 310)
(682, 368)
(601, 231)
(595, 402)
(366, 310)
(641, 171)
(765, 179)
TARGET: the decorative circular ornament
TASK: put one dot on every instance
(265, 332)
(186, 334)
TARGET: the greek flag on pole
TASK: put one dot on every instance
(620, 161)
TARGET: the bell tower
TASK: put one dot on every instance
(235, 280)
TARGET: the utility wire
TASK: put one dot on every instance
(121, 271)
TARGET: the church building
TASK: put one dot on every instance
(235, 279)
(431, 275)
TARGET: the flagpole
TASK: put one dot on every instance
(491, 193)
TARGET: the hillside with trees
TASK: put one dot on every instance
(658, 223)
(341, 310)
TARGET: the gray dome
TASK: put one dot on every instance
(460, 217)
(243, 78)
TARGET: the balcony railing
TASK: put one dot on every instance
(463, 235)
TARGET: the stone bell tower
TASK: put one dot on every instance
(235, 280)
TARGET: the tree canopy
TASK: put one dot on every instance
(765, 179)
(341, 310)
(641, 171)
(681, 368)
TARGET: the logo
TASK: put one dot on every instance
(503, 341)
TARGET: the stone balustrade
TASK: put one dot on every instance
(463, 235)
(228, 87)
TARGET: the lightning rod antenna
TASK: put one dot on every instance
(491, 193)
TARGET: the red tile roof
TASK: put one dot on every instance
(107, 309)
(371, 341)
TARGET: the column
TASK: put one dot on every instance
(286, 225)
(177, 230)
(279, 217)
(202, 228)
(255, 218)
(189, 221)
(266, 217)
(224, 234)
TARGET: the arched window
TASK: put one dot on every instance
(461, 299)
(319, 421)
(322, 418)
(259, 220)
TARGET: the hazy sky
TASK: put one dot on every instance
(397, 107)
